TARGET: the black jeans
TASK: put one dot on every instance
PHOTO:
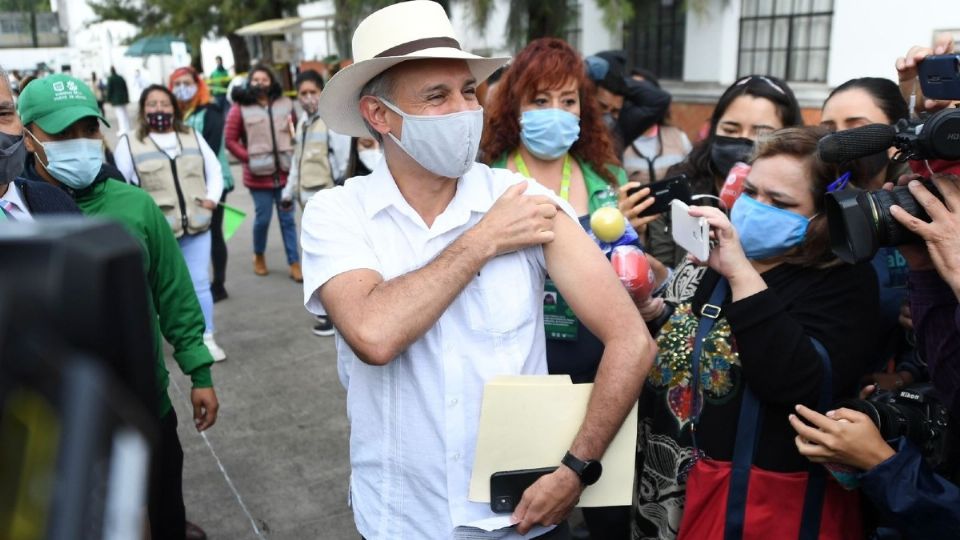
(218, 248)
(168, 518)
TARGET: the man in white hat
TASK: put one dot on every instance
(432, 270)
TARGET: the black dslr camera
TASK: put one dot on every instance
(913, 412)
(860, 221)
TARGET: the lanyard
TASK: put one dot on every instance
(564, 179)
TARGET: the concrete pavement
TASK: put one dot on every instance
(275, 465)
(281, 437)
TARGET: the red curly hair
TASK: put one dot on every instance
(547, 64)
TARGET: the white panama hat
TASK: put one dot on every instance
(404, 31)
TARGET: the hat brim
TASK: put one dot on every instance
(339, 104)
(61, 119)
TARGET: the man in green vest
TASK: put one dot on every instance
(65, 146)
(218, 82)
(119, 97)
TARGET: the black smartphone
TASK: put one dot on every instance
(507, 487)
(940, 77)
(664, 191)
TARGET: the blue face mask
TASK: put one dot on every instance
(549, 133)
(766, 231)
(74, 162)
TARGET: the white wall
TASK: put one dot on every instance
(210, 49)
(711, 43)
(867, 39)
(28, 58)
(594, 35)
(316, 43)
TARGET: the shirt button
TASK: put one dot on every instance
(454, 401)
(456, 456)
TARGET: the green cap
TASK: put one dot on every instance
(55, 102)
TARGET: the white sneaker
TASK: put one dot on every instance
(218, 354)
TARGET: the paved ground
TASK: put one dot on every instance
(281, 437)
(276, 463)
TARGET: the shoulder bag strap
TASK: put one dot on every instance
(817, 479)
(709, 314)
(744, 450)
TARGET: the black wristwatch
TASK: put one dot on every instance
(589, 471)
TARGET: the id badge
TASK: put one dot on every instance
(559, 321)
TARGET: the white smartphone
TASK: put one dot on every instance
(690, 233)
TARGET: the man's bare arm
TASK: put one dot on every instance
(380, 319)
(586, 280)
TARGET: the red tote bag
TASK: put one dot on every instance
(734, 500)
(774, 505)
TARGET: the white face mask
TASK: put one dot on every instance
(370, 157)
(445, 145)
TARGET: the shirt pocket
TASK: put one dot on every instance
(499, 299)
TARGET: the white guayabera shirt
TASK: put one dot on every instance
(414, 422)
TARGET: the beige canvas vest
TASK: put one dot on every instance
(174, 184)
(672, 144)
(257, 123)
(313, 155)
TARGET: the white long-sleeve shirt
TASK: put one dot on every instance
(169, 145)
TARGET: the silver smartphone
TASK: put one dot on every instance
(690, 233)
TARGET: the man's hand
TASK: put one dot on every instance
(942, 234)
(205, 406)
(842, 436)
(907, 72)
(905, 318)
(888, 381)
(549, 500)
(651, 308)
(915, 254)
(516, 221)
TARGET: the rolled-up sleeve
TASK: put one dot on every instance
(334, 241)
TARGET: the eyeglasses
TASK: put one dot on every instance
(767, 80)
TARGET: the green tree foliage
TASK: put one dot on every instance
(195, 19)
(24, 6)
(531, 19)
(349, 13)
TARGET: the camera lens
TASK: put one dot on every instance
(893, 419)
(889, 231)
(860, 222)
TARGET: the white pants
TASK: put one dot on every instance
(196, 252)
(123, 121)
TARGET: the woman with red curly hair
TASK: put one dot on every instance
(543, 122)
(207, 119)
